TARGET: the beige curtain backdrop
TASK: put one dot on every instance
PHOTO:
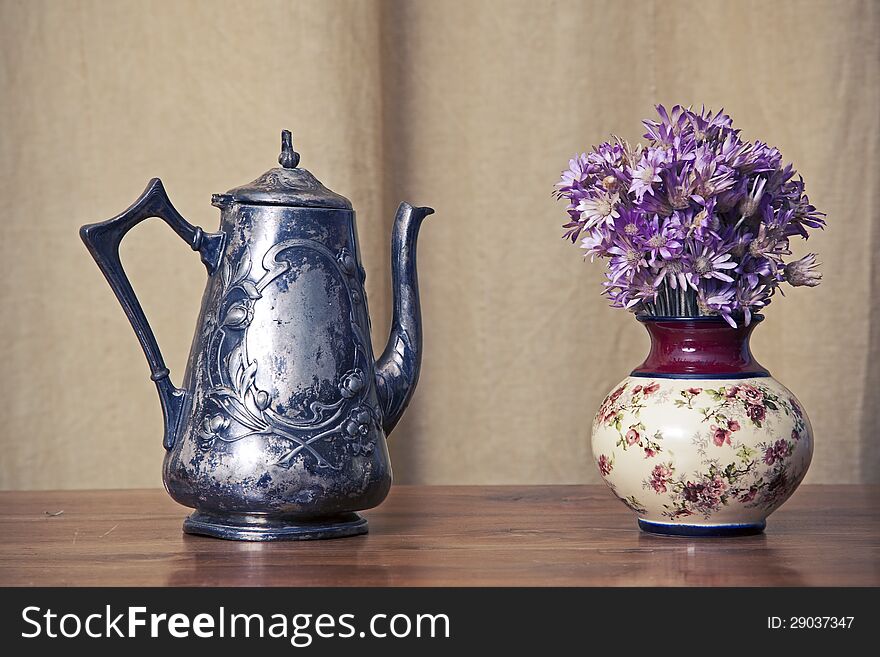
(471, 107)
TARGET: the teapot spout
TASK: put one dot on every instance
(397, 371)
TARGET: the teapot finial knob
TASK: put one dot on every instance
(289, 158)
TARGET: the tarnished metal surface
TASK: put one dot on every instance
(278, 431)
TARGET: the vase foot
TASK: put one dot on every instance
(677, 529)
(253, 527)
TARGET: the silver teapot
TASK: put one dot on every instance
(278, 431)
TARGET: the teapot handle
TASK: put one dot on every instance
(103, 239)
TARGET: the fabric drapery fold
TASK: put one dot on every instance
(471, 108)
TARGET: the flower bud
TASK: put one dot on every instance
(218, 423)
(803, 272)
(261, 399)
(238, 316)
(748, 206)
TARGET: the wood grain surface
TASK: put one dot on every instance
(439, 536)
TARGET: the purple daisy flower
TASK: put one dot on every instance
(717, 298)
(678, 187)
(705, 224)
(750, 298)
(672, 273)
(626, 258)
(710, 176)
(661, 240)
(597, 242)
(607, 156)
(641, 290)
(578, 170)
(754, 270)
(667, 128)
(771, 244)
(707, 126)
(598, 208)
(647, 173)
(631, 223)
(709, 263)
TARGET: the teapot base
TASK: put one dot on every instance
(253, 527)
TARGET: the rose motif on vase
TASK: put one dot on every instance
(702, 453)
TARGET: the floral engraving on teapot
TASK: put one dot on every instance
(241, 409)
(278, 430)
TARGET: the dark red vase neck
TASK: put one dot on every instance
(699, 347)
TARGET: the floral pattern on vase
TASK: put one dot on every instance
(706, 452)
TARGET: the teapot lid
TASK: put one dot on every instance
(285, 185)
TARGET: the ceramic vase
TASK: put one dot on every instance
(700, 440)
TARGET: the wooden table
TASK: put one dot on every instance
(439, 535)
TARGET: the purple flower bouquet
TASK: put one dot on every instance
(696, 223)
(699, 440)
